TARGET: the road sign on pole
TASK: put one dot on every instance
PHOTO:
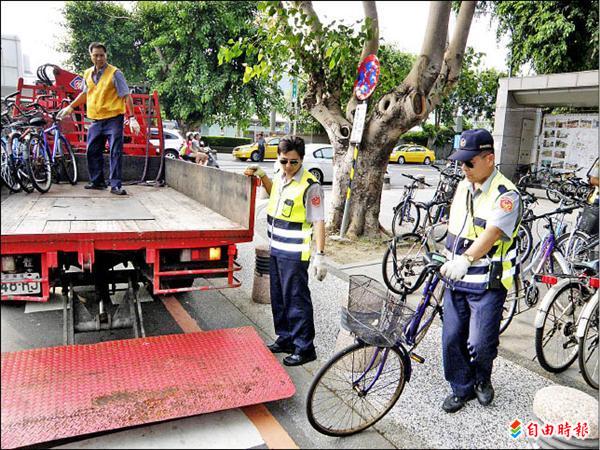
(364, 86)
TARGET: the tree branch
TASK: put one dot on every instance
(315, 24)
(454, 55)
(371, 46)
(427, 67)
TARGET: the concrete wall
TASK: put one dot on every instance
(516, 128)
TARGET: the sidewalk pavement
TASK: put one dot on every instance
(417, 420)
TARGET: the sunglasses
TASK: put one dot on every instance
(284, 161)
(470, 164)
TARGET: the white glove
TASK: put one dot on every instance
(64, 112)
(319, 269)
(456, 268)
(255, 169)
(134, 126)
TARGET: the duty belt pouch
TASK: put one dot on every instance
(495, 275)
(288, 205)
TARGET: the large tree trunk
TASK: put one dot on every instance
(433, 74)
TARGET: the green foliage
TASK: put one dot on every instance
(287, 43)
(474, 94)
(415, 137)
(173, 47)
(106, 22)
(553, 36)
(224, 141)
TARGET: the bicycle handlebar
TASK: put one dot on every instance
(416, 179)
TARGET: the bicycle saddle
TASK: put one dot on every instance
(37, 122)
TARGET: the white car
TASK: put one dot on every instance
(173, 141)
(318, 160)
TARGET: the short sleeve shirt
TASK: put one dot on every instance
(118, 80)
(506, 211)
(315, 210)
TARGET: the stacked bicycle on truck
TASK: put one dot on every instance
(34, 155)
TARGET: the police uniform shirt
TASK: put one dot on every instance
(506, 208)
(118, 80)
(315, 210)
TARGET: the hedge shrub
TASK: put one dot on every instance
(225, 141)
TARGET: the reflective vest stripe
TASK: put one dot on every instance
(293, 248)
(293, 234)
(288, 240)
(279, 223)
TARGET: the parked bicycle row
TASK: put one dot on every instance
(35, 153)
(564, 182)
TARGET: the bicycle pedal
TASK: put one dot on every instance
(417, 358)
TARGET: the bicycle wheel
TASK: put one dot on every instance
(576, 247)
(588, 350)
(555, 341)
(38, 164)
(67, 160)
(524, 243)
(19, 152)
(403, 263)
(553, 196)
(431, 310)
(441, 213)
(509, 307)
(406, 218)
(340, 402)
(8, 170)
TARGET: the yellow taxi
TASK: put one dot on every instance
(412, 153)
(250, 151)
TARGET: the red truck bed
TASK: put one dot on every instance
(200, 207)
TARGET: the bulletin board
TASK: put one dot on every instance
(568, 141)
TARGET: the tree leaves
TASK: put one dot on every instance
(553, 36)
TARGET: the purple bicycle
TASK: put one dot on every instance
(360, 384)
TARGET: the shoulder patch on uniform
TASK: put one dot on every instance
(315, 201)
(507, 204)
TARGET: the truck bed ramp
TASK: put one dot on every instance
(60, 392)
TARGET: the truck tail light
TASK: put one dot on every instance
(201, 254)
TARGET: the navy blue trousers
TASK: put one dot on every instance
(470, 337)
(291, 304)
(99, 132)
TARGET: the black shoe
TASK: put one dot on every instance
(98, 187)
(298, 359)
(118, 191)
(277, 348)
(484, 392)
(454, 403)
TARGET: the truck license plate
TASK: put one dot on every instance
(16, 284)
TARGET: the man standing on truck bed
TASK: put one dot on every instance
(295, 207)
(106, 95)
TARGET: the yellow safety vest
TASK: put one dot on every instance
(289, 233)
(466, 224)
(102, 99)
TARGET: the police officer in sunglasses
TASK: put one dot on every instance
(484, 217)
(294, 210)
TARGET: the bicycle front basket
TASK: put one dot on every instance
(374, 315)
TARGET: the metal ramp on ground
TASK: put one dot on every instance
(61, 392)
